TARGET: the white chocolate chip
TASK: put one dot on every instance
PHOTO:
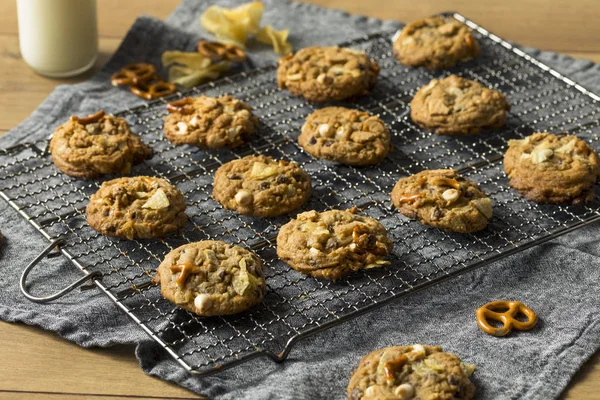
(539, 156)
(182, 128)
(337, 70)
(321, 78)
(324, 129)
(418, 351)
(525, 156)
(518, 142)
(202, 302)
(567, 148)
(405, 391)
(352, 246)
(194, 121)
(339, 133)
(456, 92)
(244, 197)
(451, 195)
(158, 200)
(233, 132)
(294, 77)
(260, 170)
(314, 252)
(141, 195)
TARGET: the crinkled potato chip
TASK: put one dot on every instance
(191, 60)
(188, 77)
(278, 39)
(233, 25)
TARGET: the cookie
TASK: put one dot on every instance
(100, 144)
(211, 278)
(261, 186)
(209, 123)
(332, 244)
(136, 207)
(344, 135)
(443, 199)
(547, 168)
(458, 106)
(435, 43)
(411, 372)
(321, 74)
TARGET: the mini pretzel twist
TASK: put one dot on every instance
(153, 90)
(181, 106)
(507, 318)
(221, 51)
(134, 74)
(89, 119)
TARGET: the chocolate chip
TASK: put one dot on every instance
(437, 213)
(312, 140)
(105, 213)
(468, 194)
(234, 177)
(222, 275)
(453, 380)
(331, 243)
(134, 214)
(264, 186)
(371, 240)
(281, 179)
(329, 143)
(111, 229)
(299, 177)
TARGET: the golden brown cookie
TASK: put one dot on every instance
(321, 74)
(209, 123)
(443, 199)
(96, 145)
(136, 207)
(348, 136)
(211, 278)
(411, 372)
(261, 186)
(435, 43)
(458, 106)
(547, 168)
(332, 244)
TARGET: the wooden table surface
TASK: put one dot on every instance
(39, 365)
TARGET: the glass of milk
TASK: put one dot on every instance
(58, 38)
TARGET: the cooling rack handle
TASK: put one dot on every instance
(56, 243)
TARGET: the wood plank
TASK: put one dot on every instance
(10, 395)
(61, 367)
(23, 90)
(586, 382)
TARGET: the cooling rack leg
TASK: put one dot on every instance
(27, 270)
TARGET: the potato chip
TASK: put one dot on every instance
(278, 39)
(188, 77)
(191, 60)
(233, 25)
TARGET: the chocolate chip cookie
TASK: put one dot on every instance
(99, 144)
(136, 207)
(458, 106)
(443, 199)
(347, 136)
(411, 372)
(211, 278)
(209, 123)
(321, 74)
(435, 43)
(547, 168)
(261, 186)
(332, 244)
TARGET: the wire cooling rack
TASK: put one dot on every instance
(296, 305)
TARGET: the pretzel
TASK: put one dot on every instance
(221, 51)
(133, 74)
(89, 119)
(490, 311)
(151, 91)
(181, 106)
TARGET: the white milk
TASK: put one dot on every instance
(58, 38)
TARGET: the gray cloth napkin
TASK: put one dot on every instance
(560, 280)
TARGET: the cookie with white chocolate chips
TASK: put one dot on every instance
(411, 372)
(458, 106)
(211, 278)
(443, 199)
(96, 145)
(209, 123)
(435, 43)
(547, 168)
(344, 135)
(261, 186)
(321, 74)
(332, 244)
(136, 207)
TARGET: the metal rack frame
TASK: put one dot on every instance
(298, 306)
